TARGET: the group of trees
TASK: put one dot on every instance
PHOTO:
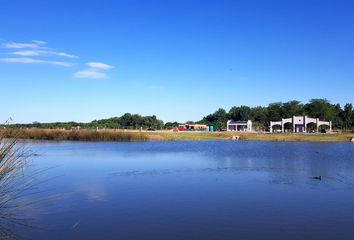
(342, 118)
(127, 121)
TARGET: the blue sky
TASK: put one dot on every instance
(180, 60)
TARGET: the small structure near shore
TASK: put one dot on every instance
(77, 128)
(193, 127)
(235, 138)
(239, 126)
(299, 123)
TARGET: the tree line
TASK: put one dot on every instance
(126, 121)
(341, 117)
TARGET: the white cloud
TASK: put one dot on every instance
(19, 60)
(34, 53)
(90, 73)
(63, 54)
(39, 42)
(64, 64)
(32, 60)
(34, 48)
(27, 53)
(31, 45)
(37, 52)
(99, 65)
(95, 71)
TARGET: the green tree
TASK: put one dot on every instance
(335, 113)
(293, 108)
(347, 115)
(275, 111)
(170, 125)
(218, 119)
(241, 113)
(319, 108)
(260, 116)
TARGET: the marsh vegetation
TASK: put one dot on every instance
(17, 185)
(143, 136)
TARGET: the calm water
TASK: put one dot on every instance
(195, 190)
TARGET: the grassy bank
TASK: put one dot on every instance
(82, 135)
(135, 136)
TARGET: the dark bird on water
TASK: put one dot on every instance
(318, 177)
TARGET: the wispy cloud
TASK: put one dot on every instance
(36, 53)
(17, 45)
(32, 60)
(90, 73)
(99, 66)
(94, 71)
(38, 49)
(34, 49)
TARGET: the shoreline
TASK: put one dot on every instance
(165, 135)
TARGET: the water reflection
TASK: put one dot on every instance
(200, 190)
(93, 191)
(284, 163)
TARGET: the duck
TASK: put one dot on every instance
(318, 177)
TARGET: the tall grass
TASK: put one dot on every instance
(15, 184)
(82, 135)
(134, 136)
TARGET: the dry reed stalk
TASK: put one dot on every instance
(15, 185)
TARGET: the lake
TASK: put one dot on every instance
(193, 190)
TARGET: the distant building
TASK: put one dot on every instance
(300, 123)
(77, 128)
(193, 127)
(239, 126)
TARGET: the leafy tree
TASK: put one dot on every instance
(260, 116)
(319, 108)
(324, 110)
(335, 112)
(293, 108)
(347, 115)
(36, 124)
(275, 111)
(170, 125)
(190, 122)
(242, 113)
(218, 119)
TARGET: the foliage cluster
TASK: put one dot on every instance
(342, 117)
(127, 121)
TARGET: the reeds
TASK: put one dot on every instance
(82, 135)
(15, 184)
(140, 136)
